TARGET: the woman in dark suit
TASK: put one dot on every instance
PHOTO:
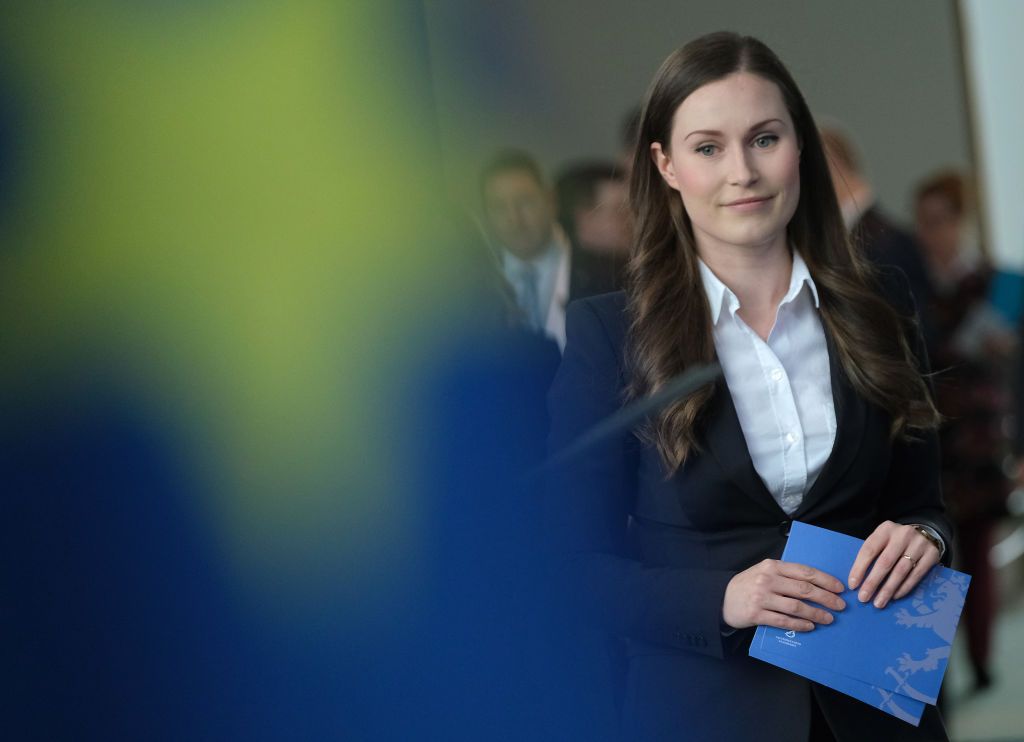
(673, 531)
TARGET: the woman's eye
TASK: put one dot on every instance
(706, 149)
(765, 140)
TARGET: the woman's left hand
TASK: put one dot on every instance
(901, 556)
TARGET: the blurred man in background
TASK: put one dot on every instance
(536, 255)
(882, 241)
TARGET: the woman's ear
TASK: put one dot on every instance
(664, 164)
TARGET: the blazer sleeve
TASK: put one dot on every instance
(913, 493)
(590, 498)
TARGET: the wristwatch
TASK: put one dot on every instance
(933, 539)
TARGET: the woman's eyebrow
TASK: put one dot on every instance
(715, 133)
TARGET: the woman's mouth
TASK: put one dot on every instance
(749, 204)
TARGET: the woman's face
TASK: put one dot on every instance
(734, 158)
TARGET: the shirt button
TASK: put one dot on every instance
(791, 438)
(776, 374)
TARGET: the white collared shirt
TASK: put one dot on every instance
(782, 388)
(552, 267)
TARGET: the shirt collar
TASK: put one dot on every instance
(797, 279)
(718, 293)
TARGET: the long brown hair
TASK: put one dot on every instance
(670, 327)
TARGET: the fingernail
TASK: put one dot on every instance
(829, 618)
(879, 603)
(842, 604)
(863, 596)
(853, 583)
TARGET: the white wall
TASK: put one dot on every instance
(995, 63)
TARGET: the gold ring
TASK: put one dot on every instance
(912, 560)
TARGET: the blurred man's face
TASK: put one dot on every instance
(520, 212)
(605, 226)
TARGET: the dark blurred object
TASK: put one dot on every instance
(474, 656)
(116, 618)
(1018, 392)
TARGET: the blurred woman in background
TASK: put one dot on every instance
(971, 355)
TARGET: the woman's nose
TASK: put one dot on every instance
(742, 171)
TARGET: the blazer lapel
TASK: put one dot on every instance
(851, 413)
(726, 443)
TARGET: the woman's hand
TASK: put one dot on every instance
(773, 593)
(901, 556)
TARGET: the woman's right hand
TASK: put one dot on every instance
(776, 593)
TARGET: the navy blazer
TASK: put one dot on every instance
(650, 556)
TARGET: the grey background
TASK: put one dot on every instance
(557, 77)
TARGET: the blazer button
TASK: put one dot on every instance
(784, 527)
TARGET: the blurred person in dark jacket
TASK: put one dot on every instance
(881, 239)
(593, 212)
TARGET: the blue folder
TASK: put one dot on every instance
(893, 658)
